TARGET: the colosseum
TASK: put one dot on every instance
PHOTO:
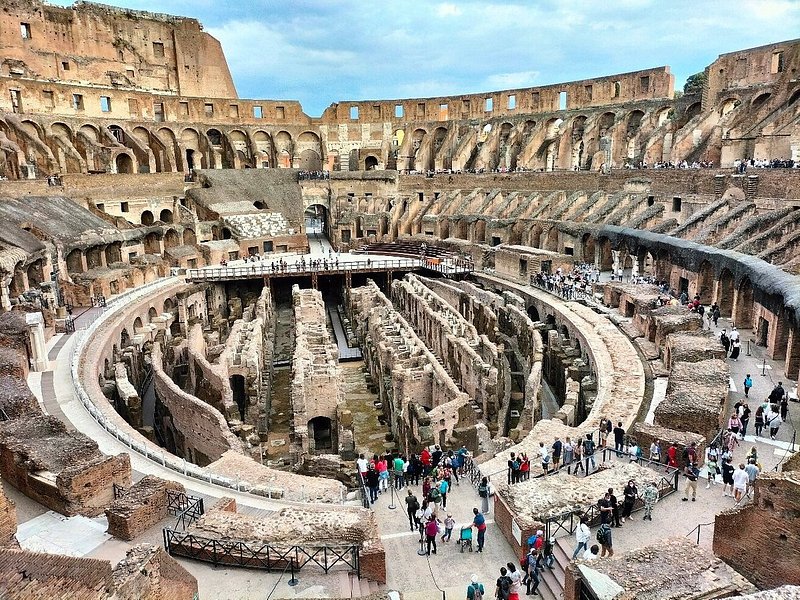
(236, 339)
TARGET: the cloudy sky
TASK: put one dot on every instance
(324, 51)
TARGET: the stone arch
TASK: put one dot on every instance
(189, 237)
(190, 142)
(533, 313)
(165, 216)
(634, 121)
(417, 140)
(241, 147)
(114, 253)
(693, 110)
(725, 292)
(705, 282)
(743, 306)
(587, 248)
(171, 239)
(264, 149)
(74, 261)
(662, 115)
(152, 314)
(169, 305)
(170, 143)
(124, 163)
(137, 324)
(321, 435)
(147, 218)
(214, 137)
(152, 243)
(284, 149)
(728, 105)
(606, 258)
(95, 256)
(760, 99)
(370, 163)
(310, 160)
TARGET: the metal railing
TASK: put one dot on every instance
(187, 508)
(698, 529)
(324, 267)
(364, 491)
(264, 556)
(118, 491)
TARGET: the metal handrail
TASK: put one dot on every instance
(697, 529)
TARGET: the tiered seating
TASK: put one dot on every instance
(404, 248)
(258, 226)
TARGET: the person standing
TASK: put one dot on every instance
(727, 476)
(502, 585)
(725, 340)
(773, 420)
(483, 492)
(449, 523)
(399, 472)
(533, 573)
(511, 468)
(557, 447)
(475, 590)
(655, 451)
(412, 506)
(577, 457)
(752, 472)
(619, 438)
(444, 487)
(516, 581)
(744, 417)
(759, 421)
(734, 424)
(630, 494)
(545, 457)
(740, 480)
(650, 497)
(604, 537)
(373, 480)
(479, 522)
(736, 347)
(672, 456)
(777, 394)
(431, 531)
(588, 451)
(748, 383)
(569, 452)
(606, 510)
(582, 536)
(712, 467)
(691, 473)
(362, 464)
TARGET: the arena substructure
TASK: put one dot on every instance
(211, 308)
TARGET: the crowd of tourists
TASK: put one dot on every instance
(311, 175)
(572, 285)
(682, 164)
(741, 166)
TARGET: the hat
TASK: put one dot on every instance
(539, 532)
(474, 579)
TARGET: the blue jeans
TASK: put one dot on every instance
(581, 546)
(398, 481)
(373, 494)
(481, 538)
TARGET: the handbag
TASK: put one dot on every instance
(490, 489)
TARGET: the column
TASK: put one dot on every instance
(35, 323)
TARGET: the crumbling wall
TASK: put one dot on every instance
(140, 507)
(646, 434)
(742, 533)
(148, 573)
(696, 397)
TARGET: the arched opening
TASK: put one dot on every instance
(171, 239)
(552, 240)
(760, 99)
(743, 319)
(310, 160)
(533, 313)
(165, 216)
(189, 237)
(137, 324)
(124, 338)
(705, 282)
(320, 434)
(728, 105)
(147, 218)
(794, 97)
(214, 137)
(190, 165)
(606, 258)
(239, 394)
(152, 243)
(370, 163)
(124, 163)
(725, 293)
(693, 110)
(152, 314)
(95, 256)
(226, 233)
(588, 248)
(75, 262)
(113, 253)
(316, 219)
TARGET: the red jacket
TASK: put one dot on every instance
(425, 457)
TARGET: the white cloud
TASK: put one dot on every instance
(505, 81)
(448, 10)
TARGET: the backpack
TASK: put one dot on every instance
(477, 594)
(601, 535)
(588, 447)
(505, 587)
(435, 494)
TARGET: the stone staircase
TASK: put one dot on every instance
(551, 586)
(353, 586)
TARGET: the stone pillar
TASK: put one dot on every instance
(792, 364)
(5, 298)
(35, 322)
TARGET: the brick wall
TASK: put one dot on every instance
(760, 539)
(373, 564)
(143, 505)
(149, 573)
(646, 434)
(26, 574)
(8, 521)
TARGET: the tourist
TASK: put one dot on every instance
(362, 464)
(672, 456)
(382, 466)
(475, 590)
(532, 573)
(412, 506)
(734, 424)
(512, 468)
(516, 581)
(588, 451)
(615, 509)
(414, 471)
(772, 419)
(603, 432)
(582, 535)
(655, 451)
(483, 492)
(634, 451)
(427, 485)
(545, 455)
(449, 523)
(736, 346)
(619, 438)
(725, 340)
(479, 522)
(727, 476)
(503, 585)
(592, 553)
(752, 472)
(650, 497)
(777, 394)
(759, 421)
(569, 452)
(748, 383)
(577, 456)
(435, 495)
(444, 487)
(712, 467)
(744, 417)
(399, 465)
(373, 480)
(548, 550)
(740, 481)
(431, 531)
(606, 543)
(556, 448)
(691, 472)
(629, 494)
(606, 509)
(524, 467)
(425, 458)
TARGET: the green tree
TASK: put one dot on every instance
(695, 83)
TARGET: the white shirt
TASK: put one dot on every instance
(740, 479)
(363, 465)
(583, 533)
(516, 586)
(588, 555)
